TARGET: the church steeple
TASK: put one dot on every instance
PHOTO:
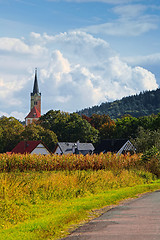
(35, 88)
(35, 109)
(36, 95)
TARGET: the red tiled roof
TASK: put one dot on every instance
(34, 113)
(25, 147)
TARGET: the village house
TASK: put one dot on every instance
(30, 147)
(73, 148)
(117, 146)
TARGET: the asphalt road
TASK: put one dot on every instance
(137, 219)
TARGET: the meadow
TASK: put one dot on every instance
(42, 197)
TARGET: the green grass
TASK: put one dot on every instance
(54, 219)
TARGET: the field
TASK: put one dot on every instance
(41, 197)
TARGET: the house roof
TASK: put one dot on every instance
(113, 145)
(34, 113)
(83, 148)
(25, 147)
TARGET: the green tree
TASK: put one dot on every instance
(1, 139)
(126, 127)
(55, 121)
(10, 130)
(146, 140)
(69, 127)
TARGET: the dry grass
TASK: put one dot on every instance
(109, 161)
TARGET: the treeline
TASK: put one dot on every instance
(52, 127)
(138, 105)
(56, 126)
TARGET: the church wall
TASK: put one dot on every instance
(30, 120)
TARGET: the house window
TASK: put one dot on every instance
(35, 103)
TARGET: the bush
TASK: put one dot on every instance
(151, 161)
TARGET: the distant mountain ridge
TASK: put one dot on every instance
(138, 105)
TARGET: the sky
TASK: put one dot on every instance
(86, 52)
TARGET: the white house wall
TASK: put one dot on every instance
(40, 149)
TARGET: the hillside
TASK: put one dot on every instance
(142, 104)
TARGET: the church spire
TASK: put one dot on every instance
(36, 95)
(35, 88)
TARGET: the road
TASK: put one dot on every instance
(137, 219)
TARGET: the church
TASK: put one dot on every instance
(35, 105)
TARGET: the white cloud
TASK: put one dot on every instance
(18, 115)
(19, 46)
(146, 60)
(75, 70)
(132, 20)
(122, 28)
(130, 11)
(146, 78)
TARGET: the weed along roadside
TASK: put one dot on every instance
(44, 197)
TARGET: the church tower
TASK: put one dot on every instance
(35, 105)
(36, 95)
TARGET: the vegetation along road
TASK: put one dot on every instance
(135, 219)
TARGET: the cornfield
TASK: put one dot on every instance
(109, 161)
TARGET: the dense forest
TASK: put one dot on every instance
(138, 105)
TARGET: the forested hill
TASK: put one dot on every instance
(138, 105)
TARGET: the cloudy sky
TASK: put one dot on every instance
(86, 51)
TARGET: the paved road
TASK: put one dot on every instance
(138, 219)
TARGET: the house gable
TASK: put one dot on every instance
(128, 146)
(40, 149)
(115, 146)
(30, 147)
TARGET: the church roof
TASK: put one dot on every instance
(34, 113)
(35, 87)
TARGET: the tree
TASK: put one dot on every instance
(69, 127)
(98, 120)
(36, 132)
(107, 130)
(10, 130)
(103, 123)
(126, 127)
(55, 121)
(146, 140)
(79, 129)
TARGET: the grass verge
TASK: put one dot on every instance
(55, 219)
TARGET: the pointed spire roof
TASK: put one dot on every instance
(35, 88)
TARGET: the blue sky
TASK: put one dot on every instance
(86, 52)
